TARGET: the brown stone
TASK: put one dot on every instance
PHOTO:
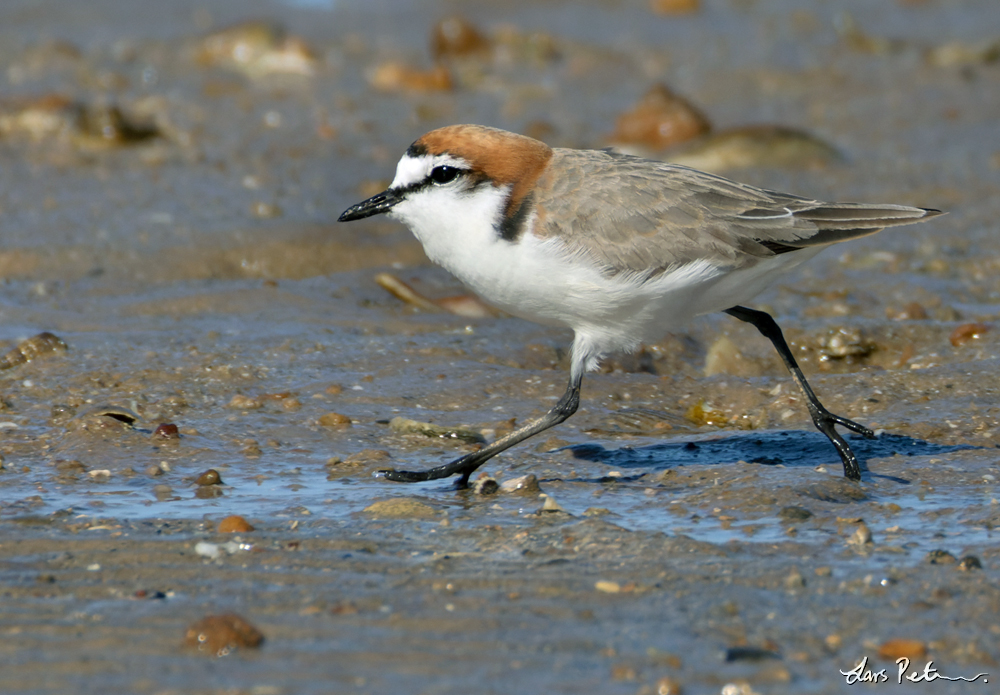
(902, 648)
(234, 524)
(209, 477)
(219, 635)
(334, 420)
(660, 120)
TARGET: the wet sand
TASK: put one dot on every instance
(169, 188)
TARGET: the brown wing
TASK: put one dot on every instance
(637, 215)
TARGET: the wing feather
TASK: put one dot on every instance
(641, 216)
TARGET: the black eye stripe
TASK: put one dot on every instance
(429, 180)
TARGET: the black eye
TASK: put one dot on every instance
(442, 175)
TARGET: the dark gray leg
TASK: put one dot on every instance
(464, 466)
(821, 417)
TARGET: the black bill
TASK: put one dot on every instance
(376, 205)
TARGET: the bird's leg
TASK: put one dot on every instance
(821, 417)
(464, 466)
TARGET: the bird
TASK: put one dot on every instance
(619, 249)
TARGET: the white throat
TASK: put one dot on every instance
(457, 228)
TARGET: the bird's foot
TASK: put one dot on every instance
(463, 466)
(825, 421)
(848, 424)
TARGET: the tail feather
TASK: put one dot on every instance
(860, 216)
(837, 222)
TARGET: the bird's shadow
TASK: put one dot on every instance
(768, 447)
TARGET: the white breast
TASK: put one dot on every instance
(543, 281)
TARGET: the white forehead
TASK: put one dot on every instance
(413, 170)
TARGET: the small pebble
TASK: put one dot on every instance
(750, 654)
(60, 411)
(964, 54)
(166, 430)
(668, 686)
(702, 414)
(163, 493)
(234, 524)
(143, 593)
(264, 211)
(624, 672)
(525, 484)
(395, 76)
(862, 536)
(70, 467)
(242, 402)
(220, 635)
(429, 429)
(914, 311)
(659, 120)
(457, 36)
(209, 477)
(257, 48)
(755, 146)
(485, 486)
(250, 448)
(674, 7)
(334, 420)
(209, 550)
(213, 551)
(941, 557)
(970, 563)
(794, 580)
(41, 345)
(902, 648)
(794, 513)
(966, 332)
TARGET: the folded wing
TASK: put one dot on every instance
(641, 216)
